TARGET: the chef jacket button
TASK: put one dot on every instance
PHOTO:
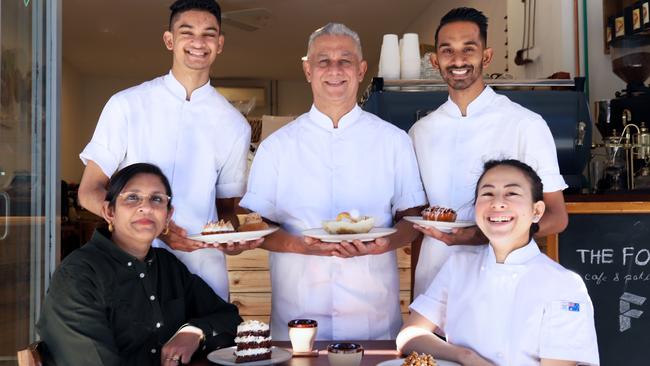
(153, 350)
(141, 275)
(129, 264)
(152, 297)
(158, 325)
(482, 268)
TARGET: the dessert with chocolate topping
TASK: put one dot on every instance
(438, 213)
(253, 341)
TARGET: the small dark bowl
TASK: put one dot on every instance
(345, 348)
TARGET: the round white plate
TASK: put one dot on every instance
(373, 234)
(226, 356)
(233, 236)
(440, 225)
(399, 361)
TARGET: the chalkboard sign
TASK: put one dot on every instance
(611, 252)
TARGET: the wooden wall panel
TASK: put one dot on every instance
(250, 283)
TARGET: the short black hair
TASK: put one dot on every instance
(536, 186)
(465, 15)
(120, 179)
(180, 6)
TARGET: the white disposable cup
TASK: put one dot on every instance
(410, 57)
(389, 58)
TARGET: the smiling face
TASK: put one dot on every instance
(137, 224)
(195, 41)
(505, 208)
(461, 56)
(334, 68)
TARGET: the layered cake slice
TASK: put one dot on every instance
(253, 341)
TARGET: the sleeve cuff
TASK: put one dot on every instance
(581, 356)
(101, 156)
(431, 309)
(230, 190)
(554, 183)
(407, 201)
(260, 205)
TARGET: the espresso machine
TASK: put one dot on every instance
(624, 122)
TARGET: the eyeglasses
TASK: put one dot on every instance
(134, 199)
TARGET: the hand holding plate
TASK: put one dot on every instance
(314, 246)
(177, 239)
(356, 248)
(457, 236)
(235, 248)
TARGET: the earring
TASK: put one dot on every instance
(166, 231)
(110, 227)
(535, 219)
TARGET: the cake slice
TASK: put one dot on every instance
(253, 341)
(217, 227)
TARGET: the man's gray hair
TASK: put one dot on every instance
(335, 29)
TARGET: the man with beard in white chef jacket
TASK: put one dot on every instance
(475, 125)
(335, 158)
(182, 124)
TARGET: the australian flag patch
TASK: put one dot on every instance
(571, 306)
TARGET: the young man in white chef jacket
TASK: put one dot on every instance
(331, 159)
(182, 124)
(473, 126)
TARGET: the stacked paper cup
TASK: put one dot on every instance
(389, 58)
(410, 56)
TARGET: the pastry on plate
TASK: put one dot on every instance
(349, 223)
(439, 213)
(415, 359)
(251, 222)
(217, 227)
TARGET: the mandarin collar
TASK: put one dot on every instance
(178, 90)
(516, 258)
(481, 102)
(101, 237)
(323, 121)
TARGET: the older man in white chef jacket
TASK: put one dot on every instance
(335, 158)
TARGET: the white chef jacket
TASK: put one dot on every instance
(514, 313)
(451, 150)
(201, 145)
(309, 171)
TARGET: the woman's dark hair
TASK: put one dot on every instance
(181, 6)
(120, 179)
(536, 186)
(465, 15)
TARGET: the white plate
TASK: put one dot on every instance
(233, 236)
(373, 234)
(399, 361)
(440, 225)
(226, 356)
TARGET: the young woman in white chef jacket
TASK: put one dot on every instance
(507, 304)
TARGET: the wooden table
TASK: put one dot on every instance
(374, 353)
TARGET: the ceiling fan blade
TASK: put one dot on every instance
(237, 24)
(248, 19)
